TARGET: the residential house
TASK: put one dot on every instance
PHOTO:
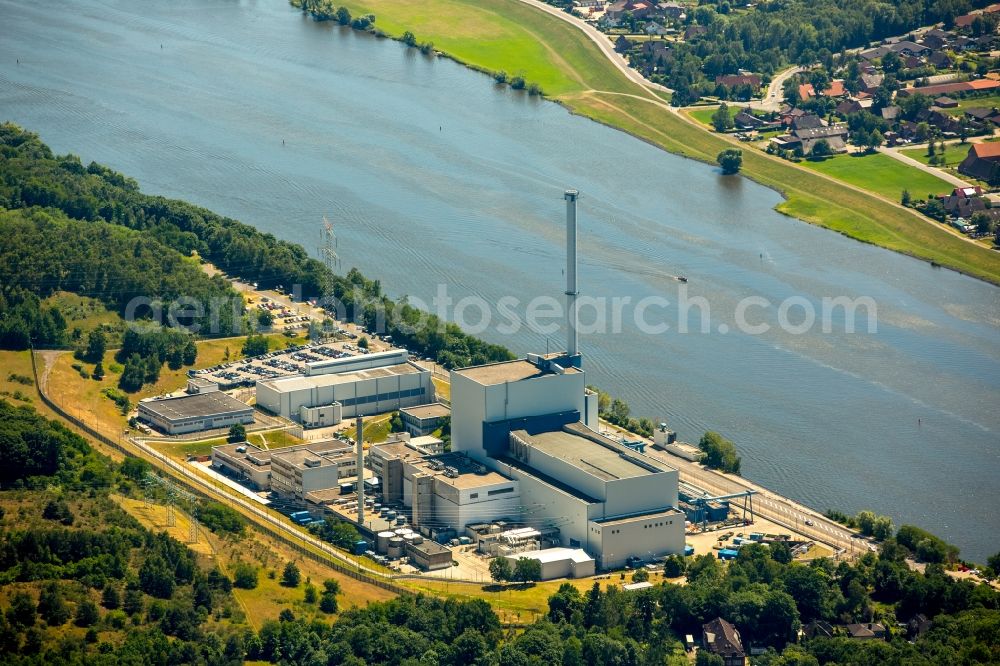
(847, 107)
(806, 91)
(836, 89)
(871, 82)
(867, 631)
(983, 114)
(960, 205)
(890, 113)
(694, 31)
(982, 162)
(935, 39)
(672, 10)
(788, 115)
(733, 80)
(964, 43)
(653, 28)
(834, 135)
(908, 48)
(805, 140)
(721, 638)
(819, 628)
(939, 59)
(640, 10)
(918, 626)
(946, 102)
(616, 10)
(807, 121)
(745, 120)
(875, 54)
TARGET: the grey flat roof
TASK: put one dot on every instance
(332, 379)
(328, 452)
(192, 406)
(506, 371)
(621, 520)
(593, 454)
(433, 411)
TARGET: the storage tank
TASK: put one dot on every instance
(391, 516)
(401, 520)
(382, 541)
(395, 550)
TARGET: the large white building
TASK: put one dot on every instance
(337, 389)
(445, 490)
(530, 421)
(298, 470)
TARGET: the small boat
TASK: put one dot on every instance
(935, 264)
(681, 278)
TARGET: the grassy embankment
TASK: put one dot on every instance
(511, 36)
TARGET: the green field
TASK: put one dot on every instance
(881, 174)
(953, 155)
(987, 102)
(505, 35)
(512, 36)
(704, 116)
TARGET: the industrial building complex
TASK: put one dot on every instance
(527, 474)
(333, 390)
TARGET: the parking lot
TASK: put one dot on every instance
(284, 363)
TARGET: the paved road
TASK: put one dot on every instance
(603, 43)
(775, 91)
(909, 161)
(768, 504)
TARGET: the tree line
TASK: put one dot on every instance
(32, 176)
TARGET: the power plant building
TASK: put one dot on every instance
(333, 390)
(522, 419)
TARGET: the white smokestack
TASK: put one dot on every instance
(361, 469)
(571, 291)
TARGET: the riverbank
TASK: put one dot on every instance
(520, 39)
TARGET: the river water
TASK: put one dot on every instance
(432, 176)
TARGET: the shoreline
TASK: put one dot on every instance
(930, 252)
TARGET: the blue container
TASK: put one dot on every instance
(360, 547)
(728, 554)
(688, 550)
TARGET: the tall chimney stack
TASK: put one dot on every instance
(571, 291)
(360, 428)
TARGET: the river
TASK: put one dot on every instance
(432, 175)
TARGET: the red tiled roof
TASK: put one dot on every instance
(836, 89)
(984, 84)
(806, 91)
(986, 150)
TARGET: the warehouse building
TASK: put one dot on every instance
(560, 562)
(195, 412)
(338, 389)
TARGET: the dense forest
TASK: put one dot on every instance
(777, 33)
(82, 582)
(102, 258)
